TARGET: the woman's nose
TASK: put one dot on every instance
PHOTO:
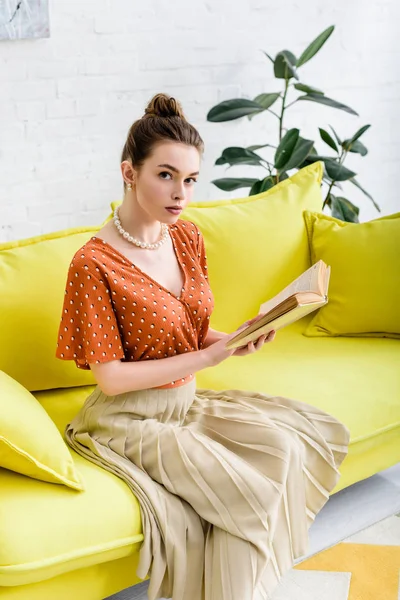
(179, 192)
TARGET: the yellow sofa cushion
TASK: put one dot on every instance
(255, 245)
(46, 529)
(98, 580)
(30, 443)
(33, 277)
(364, 288)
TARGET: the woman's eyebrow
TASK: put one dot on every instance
(175, 169)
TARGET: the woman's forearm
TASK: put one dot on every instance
(116, 377)
(212, 336)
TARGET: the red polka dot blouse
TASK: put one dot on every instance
(113, 310)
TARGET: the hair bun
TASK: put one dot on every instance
(162, 105)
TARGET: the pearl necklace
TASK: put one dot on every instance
(132, 240)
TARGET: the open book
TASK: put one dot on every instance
(304, 295)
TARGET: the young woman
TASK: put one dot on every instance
(228, 481)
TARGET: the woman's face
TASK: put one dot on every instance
(167, 179)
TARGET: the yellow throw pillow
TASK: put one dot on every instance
(364, 287)
(30, 443)
(255, 245)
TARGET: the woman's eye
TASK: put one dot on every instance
(166, 173)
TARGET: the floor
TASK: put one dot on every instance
(347, 512)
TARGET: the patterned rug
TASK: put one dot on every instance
(364, 566)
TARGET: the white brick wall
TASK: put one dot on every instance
(67, 102)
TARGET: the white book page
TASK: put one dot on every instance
(306, 282)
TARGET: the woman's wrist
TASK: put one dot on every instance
(212, 336)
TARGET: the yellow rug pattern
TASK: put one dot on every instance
(365, 566)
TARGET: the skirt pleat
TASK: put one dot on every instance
(228, 482)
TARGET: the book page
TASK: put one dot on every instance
(306, 282)
(286, 319)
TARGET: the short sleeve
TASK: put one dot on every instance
(201, 252)
(88, 331)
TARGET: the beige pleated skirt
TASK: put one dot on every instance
(228, 482)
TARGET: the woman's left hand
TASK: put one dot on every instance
(254, 346)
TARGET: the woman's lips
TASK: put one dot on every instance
(174, 211)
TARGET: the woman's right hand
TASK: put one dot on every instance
(216, 353)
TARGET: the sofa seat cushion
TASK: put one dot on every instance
(47, 529)
(355, 379)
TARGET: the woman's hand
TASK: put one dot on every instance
(254, 346)
(216, 353)
(251, 347)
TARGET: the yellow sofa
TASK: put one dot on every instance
(61, 543)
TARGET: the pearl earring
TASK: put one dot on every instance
(129, 186)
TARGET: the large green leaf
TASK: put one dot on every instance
(301, 150)
(229, 184)
(228, 110)
(285, 65)
(328, 139)
(264, 100)
(267, 100)
(258, 146)
(307, 89)
(315, 46)
(285, 148)
(354, 145)
(357, 147)
(343, 209)
(312, 158)
(359, 133)
(357, 184)
(337, 171)
(328, 181)
(236, 155)
(262, 185)
(328, 101)
(283, 175)
(339, 141)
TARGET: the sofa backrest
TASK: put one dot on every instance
(255, 246)
(33, 275)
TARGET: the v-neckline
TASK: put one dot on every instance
(183, 289)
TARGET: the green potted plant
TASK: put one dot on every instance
(292, 151)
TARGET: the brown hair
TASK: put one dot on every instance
(163, 120)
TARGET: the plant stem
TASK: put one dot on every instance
(283, 109)
(328, 194)
(274, 113)
(268, 165)
(341, 160)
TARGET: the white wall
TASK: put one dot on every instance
(67, 102)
